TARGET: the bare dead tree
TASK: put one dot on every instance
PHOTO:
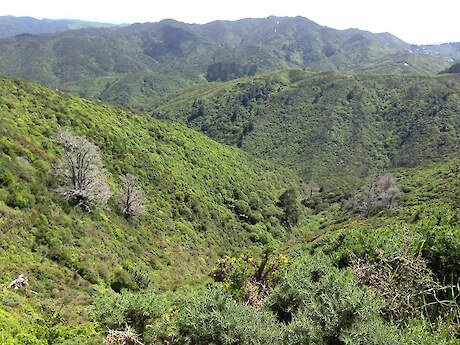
(80, 171)
(380, 192)
(369, 198)
(388, 190)
(312, 188)
(132, 201)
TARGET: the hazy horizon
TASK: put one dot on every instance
(412, 22)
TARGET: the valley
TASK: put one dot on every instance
(250, 182)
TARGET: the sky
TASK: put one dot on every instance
(414, 21)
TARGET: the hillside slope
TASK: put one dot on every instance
(204, 200)
(391, 278)
(133, 64)
(331, 128)
(94, 272)
(448, 51)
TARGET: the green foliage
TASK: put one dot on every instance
(137, 310)
(135, 65)
(238, 274)
(331, 128)
(191, 186)
(420, 332)
(223, 71)
(324, 305)
(21, 323)
(212, 317)
(291, 207)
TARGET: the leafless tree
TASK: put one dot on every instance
(313, 188)
(380, 192)
(80, 171)
(369, 198)
(388, 190)
(132, 201)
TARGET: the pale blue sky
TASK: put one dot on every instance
(419, 22)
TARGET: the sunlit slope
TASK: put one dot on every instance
(203, 199)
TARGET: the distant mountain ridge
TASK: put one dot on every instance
(11, 26)
(134, 64)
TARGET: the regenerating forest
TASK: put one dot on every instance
(264, 181)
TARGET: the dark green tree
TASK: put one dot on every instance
(288, 201)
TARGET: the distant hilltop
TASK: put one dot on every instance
(11, 26)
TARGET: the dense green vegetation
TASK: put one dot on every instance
(204, 201)
(291, 264)
(392, 278)
(331, 128)
(137, 64)
(327, 214)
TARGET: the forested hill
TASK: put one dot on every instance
(279, 183)
(202, 200)
(220, 247)
(11, 26)
(332, 128)
(133, 64)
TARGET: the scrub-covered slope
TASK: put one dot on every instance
(331, 128)
(203, 200)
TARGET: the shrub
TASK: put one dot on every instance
(324, 305)
(137, 310)
(214, 318)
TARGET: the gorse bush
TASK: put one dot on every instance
(315, 303)
(137, 310)
(324, 305)
(213, 317)
(250, 278)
